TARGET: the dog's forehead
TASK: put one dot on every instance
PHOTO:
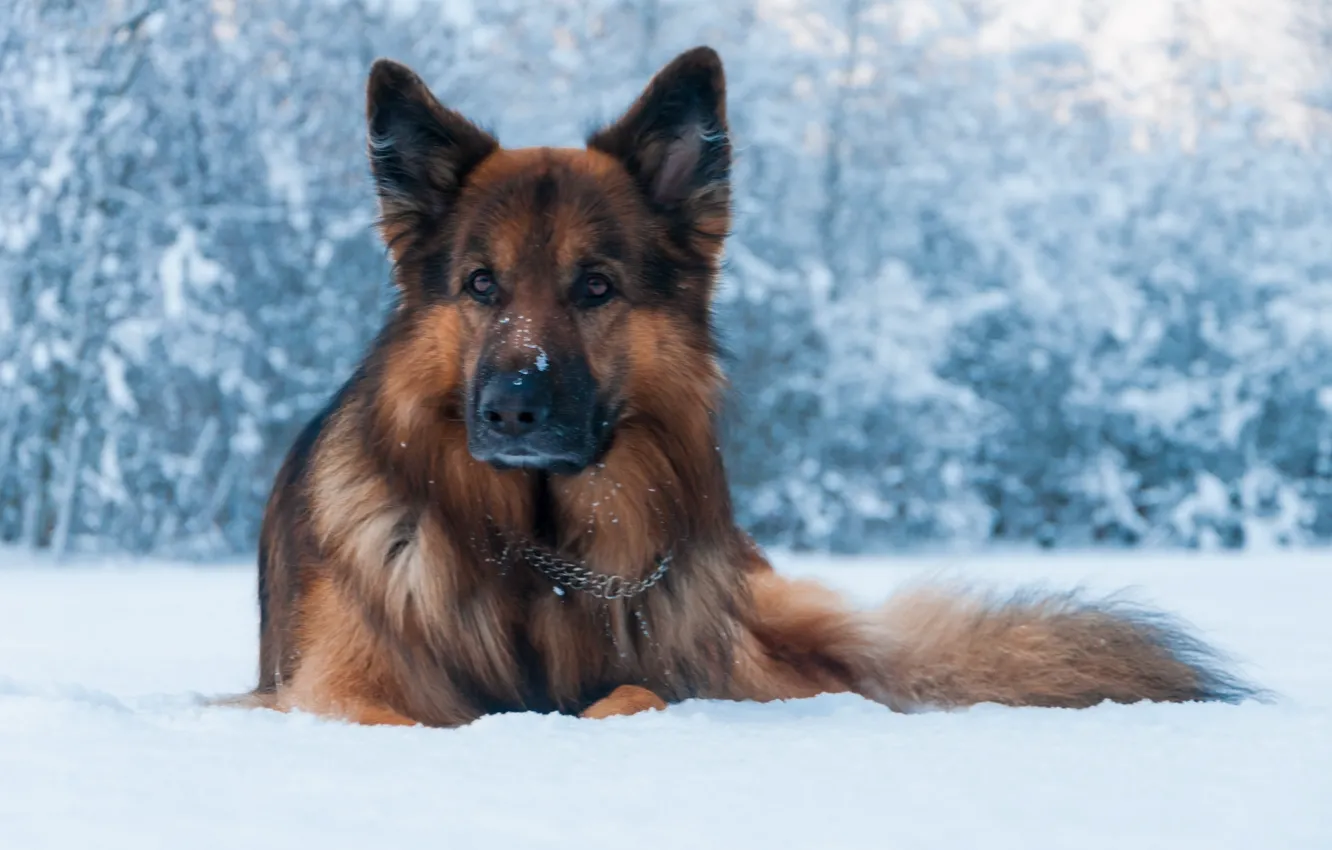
(549, 204)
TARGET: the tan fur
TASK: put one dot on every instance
(396, 584)
(957, 648)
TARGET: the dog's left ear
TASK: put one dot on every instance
(674, 142)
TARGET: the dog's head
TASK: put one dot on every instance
(551, 293)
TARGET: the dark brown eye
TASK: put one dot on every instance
(595, 289)
(481, 286)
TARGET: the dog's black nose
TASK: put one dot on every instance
(516, 403)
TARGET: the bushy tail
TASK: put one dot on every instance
(945, 648)
(939, 647)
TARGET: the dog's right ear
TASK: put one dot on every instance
(420, 152)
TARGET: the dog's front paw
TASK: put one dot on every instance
(626, 699)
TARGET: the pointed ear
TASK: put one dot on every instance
(420, 152)
(674, 141)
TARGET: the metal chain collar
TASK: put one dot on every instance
(575, 576)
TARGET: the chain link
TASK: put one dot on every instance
(576, 576)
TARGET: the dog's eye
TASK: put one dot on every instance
(594, 289)
(481, 286)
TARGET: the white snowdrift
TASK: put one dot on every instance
(103, 743)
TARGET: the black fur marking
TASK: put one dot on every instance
(476, 246)
(433, 272)
(660, 274)
(545, 193)
(264, 556)
(610, 244)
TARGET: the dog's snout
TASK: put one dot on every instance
(515, 403)
(541, 417)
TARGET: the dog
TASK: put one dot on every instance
(517, 501)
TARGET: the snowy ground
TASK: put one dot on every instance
(103, 744)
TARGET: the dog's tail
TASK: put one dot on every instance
(942, 647)
(950, 648)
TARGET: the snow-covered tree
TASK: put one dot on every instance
(997, 273)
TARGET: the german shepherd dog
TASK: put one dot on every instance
(517, 502)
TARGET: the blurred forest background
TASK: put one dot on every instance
(1036, 271)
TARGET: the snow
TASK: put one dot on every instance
(182, 262)
(117, 386)
(104, 742)
(968, 236)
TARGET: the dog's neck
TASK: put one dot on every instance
(656, 493)
(660, 489)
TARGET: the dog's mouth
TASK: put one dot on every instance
(521, 457)
(565, 442)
